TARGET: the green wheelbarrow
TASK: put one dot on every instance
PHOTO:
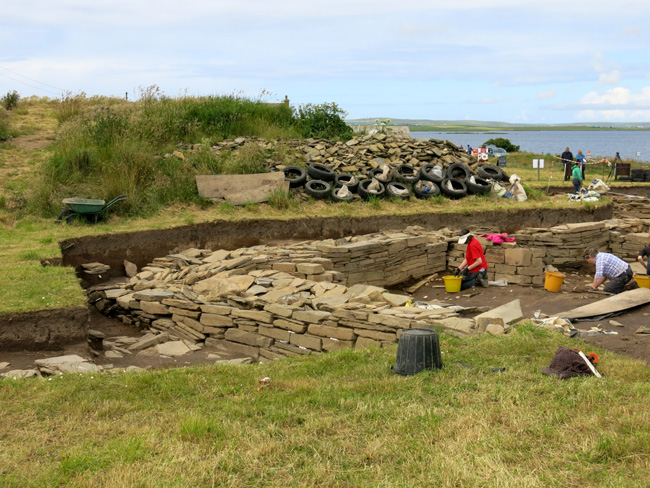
(87, 208)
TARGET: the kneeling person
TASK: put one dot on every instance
(474, 266)
(612, 268)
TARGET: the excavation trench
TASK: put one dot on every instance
(51, 329)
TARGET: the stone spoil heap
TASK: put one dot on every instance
(358, 155)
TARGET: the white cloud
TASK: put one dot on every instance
(615, 96)
(611, 78)
(546, 94)
(613, 115)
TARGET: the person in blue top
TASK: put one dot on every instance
(580, 158)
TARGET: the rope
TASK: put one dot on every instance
(586, 162)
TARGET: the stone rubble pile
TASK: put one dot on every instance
(358, 155)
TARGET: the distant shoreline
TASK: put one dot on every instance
(471, 129)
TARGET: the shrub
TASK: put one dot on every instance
(10, 100)
(325, 120)
(503, 144)
(4, 125)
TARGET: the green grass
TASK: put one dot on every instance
(339, 419)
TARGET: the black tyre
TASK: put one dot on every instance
(349, 197)
(458, 188)
(428, 174)
(377, 172)
(396, 189)
(365, 193)
(480, 187)
(458, 171)
(406, 173)
(419, 192)
(352, 182)
(491, 172)
(295, 175)
(318, 189)
(320, 172)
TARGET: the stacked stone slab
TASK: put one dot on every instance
(293, 317)
(268, 301)
(385, 260)
(564, 245)
(356, 156)
(628, 246)
(506, 261)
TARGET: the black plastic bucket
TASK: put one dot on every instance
(418, 349)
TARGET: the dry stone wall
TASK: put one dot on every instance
(267, 301)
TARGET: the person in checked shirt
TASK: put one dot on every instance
(612, 268)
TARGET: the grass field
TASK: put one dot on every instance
(340, 419)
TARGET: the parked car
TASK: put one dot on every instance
(494, 151)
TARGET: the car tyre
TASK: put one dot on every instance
(321, 172)
(459, 188)
(295, 175)
(365, 193)
(318, 189)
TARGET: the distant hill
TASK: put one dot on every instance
(496, 124)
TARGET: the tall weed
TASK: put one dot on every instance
(107, 147)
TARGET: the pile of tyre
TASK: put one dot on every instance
(638, 175)
(456, 181)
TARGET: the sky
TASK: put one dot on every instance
(548, 61)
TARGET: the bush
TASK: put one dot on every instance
(4, 125)
(503, 144)
(10, 100)
(325, 120)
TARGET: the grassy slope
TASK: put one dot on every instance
(340, 419)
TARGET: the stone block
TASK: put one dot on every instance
(156, 308)
(285, 267)
(255, 315)
(334, 345)
(373, 334)
(214, 320)
(237, 347)
(312, 317)
(279, 309)
(275, 333)
(341, 333)
(216, 309)
(310, 268)
(518, 256)
(248, 338)
(290, 325)
(307, 341)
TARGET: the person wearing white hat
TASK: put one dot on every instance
(474, 266)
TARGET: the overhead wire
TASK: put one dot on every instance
(29, 84)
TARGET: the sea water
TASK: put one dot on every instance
(634, 145)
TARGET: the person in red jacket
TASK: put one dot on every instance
(474, 266)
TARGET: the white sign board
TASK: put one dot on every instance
(538, 163)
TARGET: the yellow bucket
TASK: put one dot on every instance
(553, 281)
(452, 283)
(642, 281)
